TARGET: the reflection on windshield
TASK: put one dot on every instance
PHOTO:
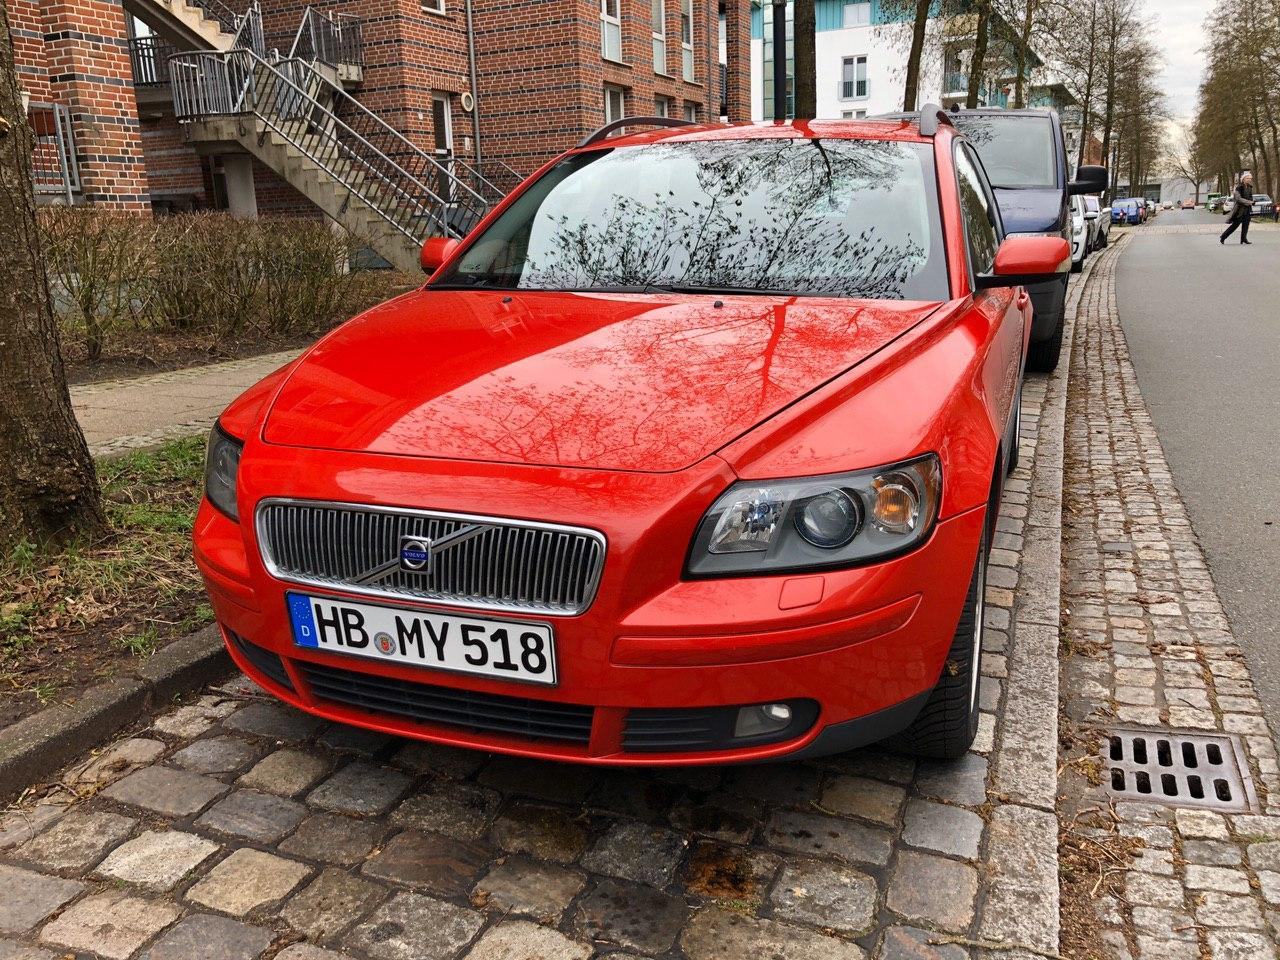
(821, 217)
(1015, 151)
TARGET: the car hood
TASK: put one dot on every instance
(1031, 209)
(607, 381)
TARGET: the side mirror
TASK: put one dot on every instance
(435, 251)
(1023, 260)
(1089, 179)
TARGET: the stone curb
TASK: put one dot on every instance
(40, 745)
(1023, 907)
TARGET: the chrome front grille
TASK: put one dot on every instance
(513, 565)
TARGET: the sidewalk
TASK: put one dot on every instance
(119, 415)
(1147, 651)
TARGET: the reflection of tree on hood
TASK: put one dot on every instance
(769, 218)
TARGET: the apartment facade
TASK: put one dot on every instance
(861, 51)
(179, 104)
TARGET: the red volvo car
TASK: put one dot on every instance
(689, 453)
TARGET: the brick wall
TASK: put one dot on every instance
(85, 62)
(541, 81)
(174, 171)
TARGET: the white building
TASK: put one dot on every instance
(861, 56)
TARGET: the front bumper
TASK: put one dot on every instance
(866, 645)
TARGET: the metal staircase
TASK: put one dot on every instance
(293, 114)
(195, 24)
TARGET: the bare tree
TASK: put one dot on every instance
(912, 89)
(978, 67)
(806, 60)
(48, 488)
(1187, 160)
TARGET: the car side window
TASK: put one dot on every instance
(978, 210)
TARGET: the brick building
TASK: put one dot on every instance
(439, 97)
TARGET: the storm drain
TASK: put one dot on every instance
(1178, 769)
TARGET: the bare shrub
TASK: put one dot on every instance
(204, 277)
(100, 266)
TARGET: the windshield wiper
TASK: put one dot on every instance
(723, 291)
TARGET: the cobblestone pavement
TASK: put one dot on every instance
(236, 828)
(1146, 644)
(119, 415)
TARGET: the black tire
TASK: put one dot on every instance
(1015, 434)
(1042, 355)
(947, 723)
(1077, 265)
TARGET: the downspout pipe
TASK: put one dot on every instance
(475, 89)
(779, 60)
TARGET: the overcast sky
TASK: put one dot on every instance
(1179, 32)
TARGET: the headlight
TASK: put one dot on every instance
(834, 521)
(221, 464)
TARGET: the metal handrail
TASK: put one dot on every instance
(332, 39)
(248, 34)
(217, 10)
(149, 57)
(471, 200)
(210, 84)
(53, 150)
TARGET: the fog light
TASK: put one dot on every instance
(762, 719)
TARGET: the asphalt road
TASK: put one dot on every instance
(1203, 326)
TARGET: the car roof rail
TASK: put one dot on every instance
(931, 117)
(621, 122)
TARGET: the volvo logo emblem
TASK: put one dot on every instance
(415, 553)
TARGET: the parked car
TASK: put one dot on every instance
(1188, 204)
(1080, 234)
(1099, 220)
(1126, 211)
(590, 493)
(1214, 201)
(1025, 156)
(1166, 205)
(1263, 205)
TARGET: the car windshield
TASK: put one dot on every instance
(1016, 151)
(822, 217)
(1261, 197)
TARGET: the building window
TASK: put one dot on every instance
(615, 103)
(691, 112)
(853, 78)
(663, 107)
(686, 38)
(433, 6)
(659, 28)
(610, 30)
(857, 14)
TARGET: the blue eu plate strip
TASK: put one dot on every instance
(304, 624)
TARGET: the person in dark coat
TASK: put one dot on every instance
(1242, 210)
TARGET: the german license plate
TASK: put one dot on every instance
(493, 648)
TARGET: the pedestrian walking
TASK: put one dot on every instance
(1241, 210)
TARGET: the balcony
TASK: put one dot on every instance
(150, 59)
(54, 172)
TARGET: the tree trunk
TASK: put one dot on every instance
(1024, 39)
(917, 52)
(48, 488)
(976, 69)
(806, 60)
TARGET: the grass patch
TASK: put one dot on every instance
(72, 617)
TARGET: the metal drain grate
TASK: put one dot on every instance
(1178, 769)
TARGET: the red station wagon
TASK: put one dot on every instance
(690, 453)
